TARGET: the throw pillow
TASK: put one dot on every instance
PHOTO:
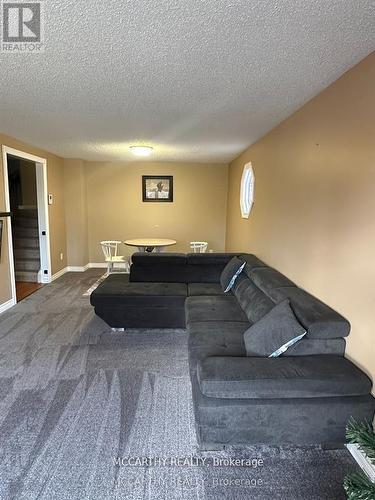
(273, 334)
(230, 273)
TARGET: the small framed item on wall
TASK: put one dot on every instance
(157, 188)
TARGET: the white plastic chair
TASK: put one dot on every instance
(199, 246)
(110, 249)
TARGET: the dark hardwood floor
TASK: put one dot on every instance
(24, 288)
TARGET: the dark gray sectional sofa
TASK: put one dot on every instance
(306, 396)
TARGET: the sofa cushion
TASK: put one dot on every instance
(215, 338)
(274, 333)
(230, 273)
(302, 377)
(223, 333)
(213, 308)
(205, 289)
(319, 319)
(318, 346)
(253, 301)
(226, 338)
(158, 267)
(160, 273)
(267, 278)
(117, 291)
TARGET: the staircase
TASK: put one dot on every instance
(26, 245)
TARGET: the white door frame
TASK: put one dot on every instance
(44, 275)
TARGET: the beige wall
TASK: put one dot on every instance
(314, 212)
(96, 201)
(76, 212)
(55, 173)
(116, 210)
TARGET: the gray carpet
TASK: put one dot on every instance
(74, 397)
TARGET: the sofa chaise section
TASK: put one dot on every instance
(291, 400)
(224, 422)
(122, 304)
(153, 295)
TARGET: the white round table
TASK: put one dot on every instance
(150, 244)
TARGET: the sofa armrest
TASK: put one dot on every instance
(284, 377)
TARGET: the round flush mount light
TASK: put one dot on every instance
(141, 150)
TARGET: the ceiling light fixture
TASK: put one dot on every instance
(141, 150)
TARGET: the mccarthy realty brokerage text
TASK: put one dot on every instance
(189, 461)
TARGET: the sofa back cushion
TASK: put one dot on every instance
(209, 259)
(178, 267)
(156, 259)
(320, 320)
(206, 267)
(253, 301)
(158, 267)
(260, 287)
(266, 278)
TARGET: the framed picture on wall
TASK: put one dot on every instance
(157, 188)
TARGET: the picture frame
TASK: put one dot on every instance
(157, 188)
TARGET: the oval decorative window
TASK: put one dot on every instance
(247, 190)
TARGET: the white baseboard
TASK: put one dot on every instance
(104, 265)
(117, 269)
(7, 305)
(77, 269)
(59, 273)
(362, 460)
(69, 269)
(44, 279)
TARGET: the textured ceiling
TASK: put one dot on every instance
(200, 80)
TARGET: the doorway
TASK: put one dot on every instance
(25, 181)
